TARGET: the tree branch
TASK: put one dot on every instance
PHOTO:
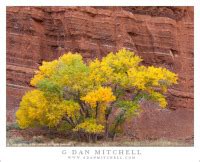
(69, 121)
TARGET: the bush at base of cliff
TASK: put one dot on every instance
(74, 96)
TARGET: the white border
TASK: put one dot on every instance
(52, 154)
(99, 2)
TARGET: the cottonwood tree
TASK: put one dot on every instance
(82, 97)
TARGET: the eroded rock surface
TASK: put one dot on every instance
(163, 36)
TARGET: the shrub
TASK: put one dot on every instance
(84, 96)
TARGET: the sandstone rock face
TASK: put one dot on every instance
(163, 36)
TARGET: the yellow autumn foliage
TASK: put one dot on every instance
(84, 95)
(46, 70)
(101, 95)
(70, 58)
(31, 109)
(158, 97)
(90, 126)
(112, 69)
(145, 78)
(36, 109)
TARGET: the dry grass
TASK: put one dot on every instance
(17, 137)
(41, 141)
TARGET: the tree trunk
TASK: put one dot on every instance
(97, 112)
(106, 130)
(109, 110)
(94, 138)
(89, 138)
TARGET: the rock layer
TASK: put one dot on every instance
(162, 36)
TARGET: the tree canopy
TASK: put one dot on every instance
(84, 96)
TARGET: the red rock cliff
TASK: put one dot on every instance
(163, 36)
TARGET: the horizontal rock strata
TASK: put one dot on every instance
(162, 36)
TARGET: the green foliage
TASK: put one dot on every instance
(74, 96)
(130, 108)
(50, 87)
